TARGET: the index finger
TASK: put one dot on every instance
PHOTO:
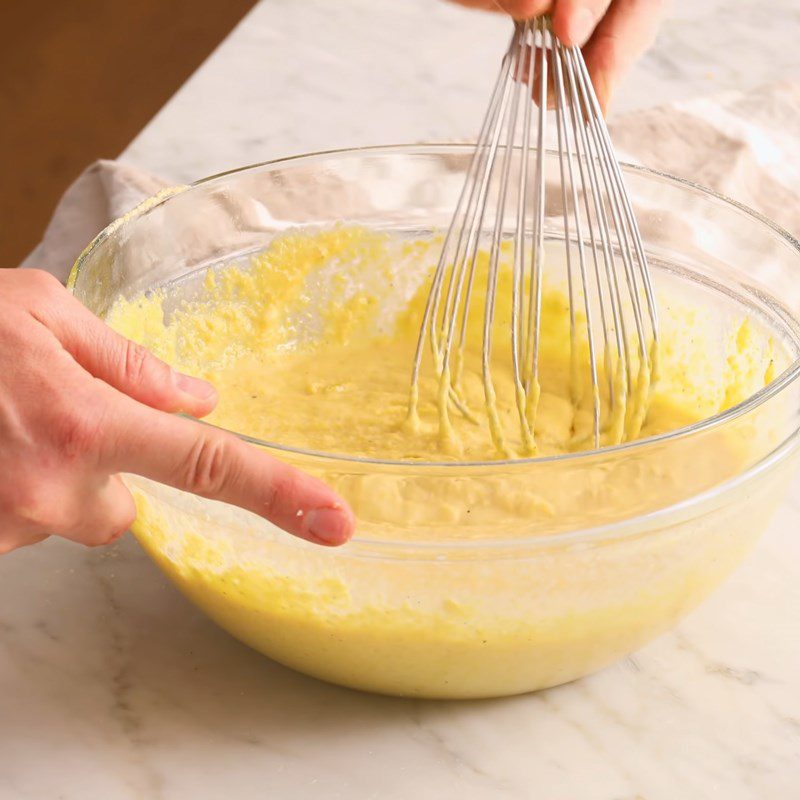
(574, 20)
(218, 465)
(519, 9)
(624, 33)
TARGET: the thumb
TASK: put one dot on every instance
(623, 35)
(125, 365)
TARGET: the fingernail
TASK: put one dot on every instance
(329, 525)
(200, 389)
(580, 26)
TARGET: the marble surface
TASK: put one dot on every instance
(112, 686)
(305, 75)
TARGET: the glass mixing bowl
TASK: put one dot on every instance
(472, 603)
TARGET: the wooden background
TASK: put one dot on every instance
(78, 81)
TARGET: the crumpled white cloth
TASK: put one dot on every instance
(744, 145)
(103, 192)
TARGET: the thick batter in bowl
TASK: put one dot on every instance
(471, 575)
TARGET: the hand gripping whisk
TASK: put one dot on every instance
(613, 328)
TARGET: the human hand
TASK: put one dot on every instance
(80, 404)
(612, 34)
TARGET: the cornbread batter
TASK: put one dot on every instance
(331, 375)
(311, 346)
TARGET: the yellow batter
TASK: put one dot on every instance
(331, 376)
(311, 346)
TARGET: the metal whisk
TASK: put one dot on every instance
(612, 311)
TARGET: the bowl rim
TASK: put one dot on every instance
(367, 547)
(788, 376)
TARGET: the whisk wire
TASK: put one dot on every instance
(532, 387)
(570, 154)
(616, 360)
(607, 324)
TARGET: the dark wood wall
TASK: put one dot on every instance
(78, 81)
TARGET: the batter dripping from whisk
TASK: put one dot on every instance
(614, 359)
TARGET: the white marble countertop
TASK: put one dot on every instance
(113, 686)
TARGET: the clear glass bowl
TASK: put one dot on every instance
(569, 579)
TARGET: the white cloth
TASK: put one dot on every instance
(104, 191)
(745, 145)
